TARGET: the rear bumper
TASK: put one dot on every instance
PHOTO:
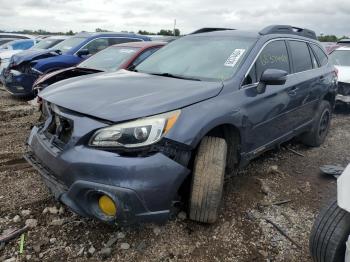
(143, 188)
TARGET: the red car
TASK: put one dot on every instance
(121, 56)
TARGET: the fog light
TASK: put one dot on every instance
(107, 205)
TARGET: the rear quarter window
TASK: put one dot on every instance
(321, 56)
(300, 56)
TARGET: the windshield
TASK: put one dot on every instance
(109, 59)
(46, 43)
(69, 43)
(340, 57)
(199, 57)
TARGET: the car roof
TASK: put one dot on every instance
(107, 34)
(272, 31)
(343, 48)
(142, 44)
(57, 37)
(20, 41)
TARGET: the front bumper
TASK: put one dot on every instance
(342, 98)
(343, 189)
(18, 84)
(343, 92)
(143, 188)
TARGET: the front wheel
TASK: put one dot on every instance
(329, 234)
(208, 179)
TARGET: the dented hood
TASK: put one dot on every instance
(125, 95)
(31, 55)
(343, 74)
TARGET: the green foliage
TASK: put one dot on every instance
(330, 38)
(99, 30)
(166, 32)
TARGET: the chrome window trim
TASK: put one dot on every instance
(112, 37)
(270, 41)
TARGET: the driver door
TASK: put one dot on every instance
(269, 114)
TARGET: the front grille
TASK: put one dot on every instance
(344, 88)
(59, 130)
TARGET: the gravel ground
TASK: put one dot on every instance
(252, 200)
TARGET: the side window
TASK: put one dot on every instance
(313, 58)
(273, 56)
(96, 45)
(115, 41)
(300, 56)
(321, 56)
(144, 55)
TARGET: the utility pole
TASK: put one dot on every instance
(174, 26)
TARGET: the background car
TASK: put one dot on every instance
(46, 43)
(23, 70)
(340, 57)
(330, 234)
(122, 56)
(13, 47)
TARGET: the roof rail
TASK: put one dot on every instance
(210, 29)
(288, 29)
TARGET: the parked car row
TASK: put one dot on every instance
(26, 67)
(140, 129)
(17, 46)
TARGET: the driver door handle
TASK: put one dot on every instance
(293, 91)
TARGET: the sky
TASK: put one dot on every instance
(322, 16)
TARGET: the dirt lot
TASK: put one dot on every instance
(241, 234)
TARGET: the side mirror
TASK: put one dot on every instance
(271, 77)
(83, 52)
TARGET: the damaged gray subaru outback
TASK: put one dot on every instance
(133, 147)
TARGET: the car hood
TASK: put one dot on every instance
(7, 54)
(125, 95)
(343, 74)
(32, 54)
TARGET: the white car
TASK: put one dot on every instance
(13, 47)
(330, 236)
(341, 59)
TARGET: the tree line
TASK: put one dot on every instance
(165, 32)
(330, 38)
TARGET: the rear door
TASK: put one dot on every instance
(306, 81)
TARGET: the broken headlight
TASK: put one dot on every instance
(138, 133)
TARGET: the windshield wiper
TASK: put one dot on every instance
(175, 76)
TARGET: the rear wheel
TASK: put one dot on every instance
(317, 135)
(208, 179)
(329, 234)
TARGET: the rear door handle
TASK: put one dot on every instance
(293, 91)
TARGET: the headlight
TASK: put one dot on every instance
(138, 133)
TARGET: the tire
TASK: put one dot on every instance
(317, 135)
(329, 234)
(208, 179)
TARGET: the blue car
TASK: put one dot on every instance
(127, 147)
(24, 69)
